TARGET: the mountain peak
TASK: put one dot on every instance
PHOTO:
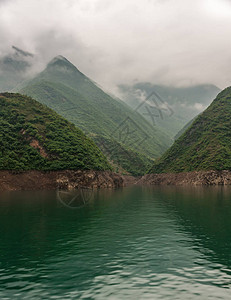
(61, 61)
(60, 58)
(21, 52)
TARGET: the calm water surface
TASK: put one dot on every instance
(131, 243)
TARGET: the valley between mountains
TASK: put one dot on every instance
(60, 129)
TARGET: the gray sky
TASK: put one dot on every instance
(171, 42)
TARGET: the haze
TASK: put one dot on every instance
(179, 43)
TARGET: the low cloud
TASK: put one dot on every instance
(177, 43)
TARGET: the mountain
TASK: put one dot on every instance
(34, 137)
(205, 145)
(179, 133)
(13, 68)
(126, 137)
(172, 107)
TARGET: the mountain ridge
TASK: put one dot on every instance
(70, 93)
(185, 102)
(205, 145)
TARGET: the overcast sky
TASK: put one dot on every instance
(171, 42)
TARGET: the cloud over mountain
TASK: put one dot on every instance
(166, 42)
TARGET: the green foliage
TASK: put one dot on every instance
(62, 87)
(206, 145)
(128, 160)
(35, 137)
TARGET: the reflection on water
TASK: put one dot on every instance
(75, 199)
(131, 243)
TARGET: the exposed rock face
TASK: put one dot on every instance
(35, 144)
(188, 178)
(94, 179)
(37, 180)
(69, 180)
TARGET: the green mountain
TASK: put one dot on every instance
(128, 140)
(205, 145)
(171, 107)
(34, 137)
(179, 133)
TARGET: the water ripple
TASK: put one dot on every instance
(128, 244)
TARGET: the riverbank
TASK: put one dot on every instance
(70, 179)
(67, 179)
(188, 178)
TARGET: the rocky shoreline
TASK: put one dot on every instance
(72, 179)
(67, 179)
(188, 178)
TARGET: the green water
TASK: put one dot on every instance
(131, 243)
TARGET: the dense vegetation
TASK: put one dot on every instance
(33, 136)
(123, 159)
(206, 145)
(184, 128)
(62, 87)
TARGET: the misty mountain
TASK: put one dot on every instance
(13, 68)
(126, 137)
(205, 145)
(170, 108)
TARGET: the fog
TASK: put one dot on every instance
(178, 43)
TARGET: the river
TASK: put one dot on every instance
(129, 243)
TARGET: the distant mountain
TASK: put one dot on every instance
(33, 137)
(20, 52)
(13, 68)
(171, 107)
(126, 137)
(205, 145)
